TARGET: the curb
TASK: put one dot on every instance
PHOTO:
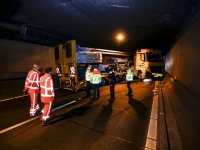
(171, 126)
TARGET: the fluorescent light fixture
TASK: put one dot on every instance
(119, 6)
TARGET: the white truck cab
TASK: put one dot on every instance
(148, 63)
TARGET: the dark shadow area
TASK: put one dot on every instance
(72, 113)
(99, 127)
(102, 119)
(139, 107)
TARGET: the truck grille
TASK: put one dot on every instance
(156, 69)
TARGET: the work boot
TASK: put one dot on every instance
(45, 123)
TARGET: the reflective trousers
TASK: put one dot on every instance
(34, 104)
(88, 88)
(46, 110)
(96, 88)
(129, 87)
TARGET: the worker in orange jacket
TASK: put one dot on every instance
(32, 87)
(47, 94)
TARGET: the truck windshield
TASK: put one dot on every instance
(154, 58)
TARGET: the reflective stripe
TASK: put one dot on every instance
(49, 109)
(35, 80)
(38, 106)
(45, 117)
(130, 75)
(111, 72)
(34, 101)
(32, 110)
(88, 76)
(45, 87)
(31, 80)
(32, 87)
(47, 95)
(95, 78)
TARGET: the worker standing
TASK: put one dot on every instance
(87, 78)
(112, 83)
(129, 79)
(95, 80)
(47, 94)
(32, 87)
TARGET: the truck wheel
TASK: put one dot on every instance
(124, 77)
(117, 78)
(139, 76)
(103, 82)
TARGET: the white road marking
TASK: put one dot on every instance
(19, 124)
(121, 109)
(152, 131)
(13, 98)
(18, 97)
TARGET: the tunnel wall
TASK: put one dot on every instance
(182, 86)
(183, 60)
(17, 58)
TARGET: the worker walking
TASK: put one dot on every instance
(112, 83)
(87, 78)
(95, 80)
(32, 87)
(129, 79)
(47, 94)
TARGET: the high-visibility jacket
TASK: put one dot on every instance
(95, 77)
(32, 82)
(46, 88)
(129, 75)
(88, 74)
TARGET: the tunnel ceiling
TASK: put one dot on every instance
(96, 23)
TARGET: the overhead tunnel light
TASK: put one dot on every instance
(120, 37)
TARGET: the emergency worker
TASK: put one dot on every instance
(32, 84)
(112, 83)
(95, 80)
(87, 78)
(129, 79)
(47, 94)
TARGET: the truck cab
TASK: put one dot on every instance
(148, 63)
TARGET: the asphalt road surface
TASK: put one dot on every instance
(79, 123)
